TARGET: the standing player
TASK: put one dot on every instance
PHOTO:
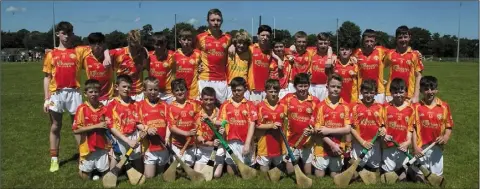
(238, 63)
(370, 63)
(320, 63)
(405, 64)
(185, 62)
(434, 123)
(160, 66)
(213, 46)
(132, 60)
(348, 71)
(301, 59)
(281, 70)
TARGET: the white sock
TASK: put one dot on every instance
(55, 158)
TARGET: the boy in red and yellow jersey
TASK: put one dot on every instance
(404, 63)
(185, 61)
(213, 45)
(348, 70)
(241, 116)
(88, 122)
(300, 111)
(320, 63)
(332, 123)
(132, 60)
(181, 116)
(205, 136)
(281, 68)
(152, 113)
(160, 66)
(238, 63)
(122, 120)
(92, 63)
(271, 117)
(301, 58)
(367, 119)
(399, 116)
(370, 63)
(434, 123)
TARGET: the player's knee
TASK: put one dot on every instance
(83, 175)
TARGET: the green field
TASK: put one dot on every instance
(25, 151)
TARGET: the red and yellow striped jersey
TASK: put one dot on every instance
(186, 67)
(124, 64)
(431, 121)
(239, 117)
(367, 120)
(203, 129)
(64, 65)
(162, 70)
(331, 116)
(87, 116)
(259, 70)
(349, 91)
(275, 72)
(122, 116)
(371, 66)
(403, 66)
(95, 70)
(318, 69)
(300, 116)
(182, 116)
(271, 144)
(213, 55)
(153, 116)
(301, 64)
(237, 66)
(399, 121)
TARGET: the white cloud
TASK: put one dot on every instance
(192, 21)
(16, 9)
(137, 19)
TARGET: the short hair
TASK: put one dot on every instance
(398, 84)
(243, 37)
(324, 36)
(186, 32)
(150, 79)
(346, 44)
(272, 83)
(64, 26)
(92, 84)
(238, 81)
(179, 83)
(159, 37)
(134, 36)
(263, 28)
(369, 33)
(300, 34)
(335, 76)
(124, 78)
(214, 11)
(301, 78)
(368, 85)
(278, 40)
(208, 91)
(428, 82)
(402, 30)
(95, 38)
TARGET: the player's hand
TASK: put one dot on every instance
(192, 132)
(351, 73)
(46, 104)
(107, 61)
(204, 117)
(307, 132)
(216, 142)
(414, 99)
(336, 149)
(132, 143)
(442, 140)
(367, 144)
(276, 125)
(103, 125)
(383, 131)
(324, 131)
(403, 146)
(200, 68)
(231, 50)
(418, 152)
(246, 149)
(293, 49)
(291, 58)
(353, 60)
(152, 131)
(388, 138)
(221, 130)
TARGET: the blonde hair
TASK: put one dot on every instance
(242, 36)
(134, 36)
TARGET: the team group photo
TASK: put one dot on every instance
(204, 106)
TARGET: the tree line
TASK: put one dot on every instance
(422, 39)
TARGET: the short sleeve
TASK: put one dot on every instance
(47, 63)
(79, 119)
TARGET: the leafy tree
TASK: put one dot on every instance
(116, 39)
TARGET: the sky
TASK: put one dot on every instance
(309, 16)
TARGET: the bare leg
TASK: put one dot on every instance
(307, 168)
(149, 170)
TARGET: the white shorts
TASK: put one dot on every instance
(379, 98)
(334, 164)
(204, 155)
(168, 98)
(257, 96)
(282, 93)
(318, 90)
(237, 148)
(393, 159)
(372, 158)
(123, 146)
(230, 94)
(432, 159)
(158, 157)
(188, 156)
(291, 88)
(95, 160)
(266, 161)
(138, 97)
(65, 99)
(305, 154)
(219, 86)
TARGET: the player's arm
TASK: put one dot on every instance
(248, 141)
(47, 69)
(78, 125)
(101, 125)
(122, 137)
(357, 137)
(416, 94)
(416, 149)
